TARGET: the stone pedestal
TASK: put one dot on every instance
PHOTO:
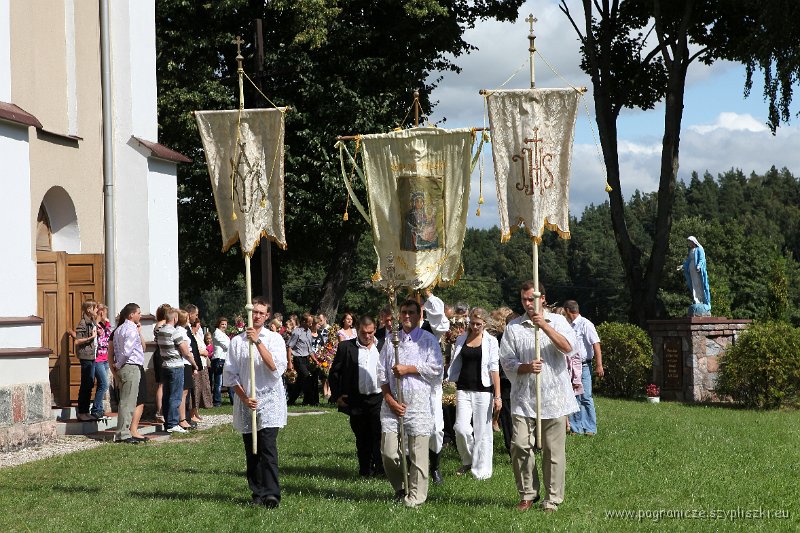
(25, 416)
(687, 353)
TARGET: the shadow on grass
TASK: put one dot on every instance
(356, 493)
(327, 455)
(6, 488)
(329, 472)
(211, 471)
(189, 496)
(385, 493)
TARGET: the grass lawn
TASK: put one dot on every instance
(646, 458)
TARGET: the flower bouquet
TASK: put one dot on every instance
(323, 358)
(290, 375)
(653, 393)
(449, 393)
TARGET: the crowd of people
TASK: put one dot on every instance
(387, 386)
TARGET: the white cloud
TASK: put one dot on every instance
(732, 122)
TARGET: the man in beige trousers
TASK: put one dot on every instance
(518, 357)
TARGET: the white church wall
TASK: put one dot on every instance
(162, 188)
(18, 267)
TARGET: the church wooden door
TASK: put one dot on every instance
(64, 282)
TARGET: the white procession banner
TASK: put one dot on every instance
(532, 134)
(244, 153)
(418, 190)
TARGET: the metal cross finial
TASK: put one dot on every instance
(238, 42)
(531, 20)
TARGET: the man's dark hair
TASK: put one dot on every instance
(190, 308)
(365, 320)
(410, 303)
(571, 306)
(528, 285)
(260, 300)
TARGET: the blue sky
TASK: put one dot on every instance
(721, 129)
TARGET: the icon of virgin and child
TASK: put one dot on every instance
(421, 225)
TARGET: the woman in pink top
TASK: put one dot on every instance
(348, 331)
(101, 361)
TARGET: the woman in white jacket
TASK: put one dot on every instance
(475, 370)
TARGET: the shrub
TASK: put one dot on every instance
(627, 359)
(762, 369)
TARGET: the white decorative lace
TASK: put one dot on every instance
(518, 347)
(271, 410)
(421, 349)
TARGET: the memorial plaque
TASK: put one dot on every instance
(673, 364)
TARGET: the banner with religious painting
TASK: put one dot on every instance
(418, 191)
(532, 135)
(244, 154)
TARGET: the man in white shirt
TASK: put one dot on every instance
(419, 371)
(269, 402)
(354, 388)
(584, 422)
(439, 325)
(518, 357)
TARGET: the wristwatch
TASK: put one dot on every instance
(257, 342)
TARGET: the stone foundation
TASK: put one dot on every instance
(687, 353)
(25, 418)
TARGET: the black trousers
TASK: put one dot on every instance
(505, 412)
(262, 467)
(366, 426)
(307, 382)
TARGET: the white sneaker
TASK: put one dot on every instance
(176, 429)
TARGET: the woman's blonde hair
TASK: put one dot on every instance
(183, 317)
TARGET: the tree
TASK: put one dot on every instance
(627, 71)
(344, 66)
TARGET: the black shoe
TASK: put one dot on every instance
(437, 478)
(130, 440)
(140, 439)
(399, 495)
(270, 502)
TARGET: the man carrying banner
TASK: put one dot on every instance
(419, 371)
(517, 355)
(269, 402)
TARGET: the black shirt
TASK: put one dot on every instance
(470, 377)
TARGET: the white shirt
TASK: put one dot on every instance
(420, 349)
(368, 369)
(434, 312)
(221, 344)
(587, 337)
(185, 335)
(271, 396)
(518, 347)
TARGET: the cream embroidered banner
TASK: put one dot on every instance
(246, 170)
(418, 192)
(532, 133)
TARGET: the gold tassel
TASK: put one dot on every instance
(233, 216)
(478, 212)
(480, 200)
(346, 217)
(263, 203)
(608, 187)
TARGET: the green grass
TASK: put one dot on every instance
(645, 458)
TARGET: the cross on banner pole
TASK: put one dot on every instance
(390, 286)
(248, 278)
(535, 259)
